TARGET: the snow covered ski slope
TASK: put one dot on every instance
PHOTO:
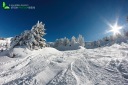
(48, 66)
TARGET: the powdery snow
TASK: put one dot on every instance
(48, 66)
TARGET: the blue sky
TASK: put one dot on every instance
(64, 18)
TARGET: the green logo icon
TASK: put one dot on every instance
(5, 6)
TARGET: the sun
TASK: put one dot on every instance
(115, 29)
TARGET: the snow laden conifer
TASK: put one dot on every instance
(56, 44)
(81, 40)
(66, 42)
(32, 39)
(73, 40)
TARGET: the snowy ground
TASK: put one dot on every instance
(48, 66)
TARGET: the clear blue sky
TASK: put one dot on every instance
(64, 18)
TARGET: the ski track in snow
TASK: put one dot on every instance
(76, 77)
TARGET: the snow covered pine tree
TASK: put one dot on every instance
(81, 40)
(73, 40)
(32, 39)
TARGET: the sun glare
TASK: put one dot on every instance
(115, 29)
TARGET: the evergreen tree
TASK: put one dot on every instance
(31, 38)
(73, 40)
(66, 41)
(98, 43)
(56, 44)
(81, 40)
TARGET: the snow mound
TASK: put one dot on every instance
(19, 52)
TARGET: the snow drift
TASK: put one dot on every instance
(48, 66)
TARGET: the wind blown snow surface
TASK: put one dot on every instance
(48, 66)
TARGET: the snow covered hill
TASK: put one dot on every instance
(48, 66)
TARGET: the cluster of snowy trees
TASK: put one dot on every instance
(73, 42)
(2, 38)
(109, 40)
(4, 46)
(4, 43)
(31, 38)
